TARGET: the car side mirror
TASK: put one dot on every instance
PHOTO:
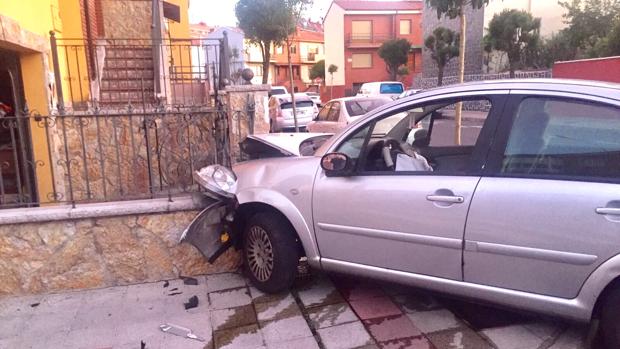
(336, 164)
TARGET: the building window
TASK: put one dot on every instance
(279, 50)
(361, 60)
(293, 49)
(405, 27)
(361, 30)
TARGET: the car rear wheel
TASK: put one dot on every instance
(610, 320)
(270, 252)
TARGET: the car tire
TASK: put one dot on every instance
(610, 320)
(270, 252)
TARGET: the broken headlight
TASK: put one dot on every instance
(217, 179)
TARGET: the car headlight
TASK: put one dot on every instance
(217, 179)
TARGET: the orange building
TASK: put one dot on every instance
(306, 49)
(354, 31)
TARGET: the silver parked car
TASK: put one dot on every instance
(281, 111)
(522, 210)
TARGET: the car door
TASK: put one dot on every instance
(410, 221)
(547, 211)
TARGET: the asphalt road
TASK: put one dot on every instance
(443, 132)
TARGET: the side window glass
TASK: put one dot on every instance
(564, 137)
(352, 147)
(334, 112)
(422, 139)
(324, 112)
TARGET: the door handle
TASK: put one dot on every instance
(608, 210)
(446, 198)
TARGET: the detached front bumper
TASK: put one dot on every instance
(211, 232)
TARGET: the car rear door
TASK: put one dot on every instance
(547, 211)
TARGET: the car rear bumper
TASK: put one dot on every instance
(283, 124)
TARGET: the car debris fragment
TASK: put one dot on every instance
(180, 331)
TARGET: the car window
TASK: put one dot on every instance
(422, 138)
(352, 147)
(298, 104)
(334, 112)
(324, 112)
(358, 107)
(564, 137)
(277, 91)
(394, 88)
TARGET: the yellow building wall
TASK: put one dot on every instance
(180, 50)
(38, 18)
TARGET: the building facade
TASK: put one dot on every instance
(354, 31)
(307, 48)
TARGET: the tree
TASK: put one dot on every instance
(555, 48)
(395, 53)
(331, 70)
(589, 24)
(318, 70)
(444, 45)
(264, 23)
(515, 32)
(453, 9)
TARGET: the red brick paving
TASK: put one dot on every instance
(374, 307)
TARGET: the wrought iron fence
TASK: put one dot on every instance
(107, 156)
(426, 83)
(111, 73)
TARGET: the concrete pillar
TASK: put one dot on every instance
(246, 106)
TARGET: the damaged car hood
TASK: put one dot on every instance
(283, 144)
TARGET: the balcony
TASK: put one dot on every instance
(367, 40)
(311, 57)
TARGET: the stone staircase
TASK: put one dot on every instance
(127, 77)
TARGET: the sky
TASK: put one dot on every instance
(222, 12)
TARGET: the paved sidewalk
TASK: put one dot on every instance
(327, 312)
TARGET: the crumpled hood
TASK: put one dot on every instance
(287, 143)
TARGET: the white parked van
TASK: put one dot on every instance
(381, 88)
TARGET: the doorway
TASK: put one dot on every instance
(16, 165)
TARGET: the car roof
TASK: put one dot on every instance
(298, 97)
(344, 99)
(584, 87)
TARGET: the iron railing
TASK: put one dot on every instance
(368, 40)
(111, 73)
(107, 156)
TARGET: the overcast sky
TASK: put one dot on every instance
(222, 12)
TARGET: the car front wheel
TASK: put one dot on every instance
(270, 252)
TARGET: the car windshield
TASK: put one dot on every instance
(393, 88)
(358, 107)
(277, 91)
(298, 104)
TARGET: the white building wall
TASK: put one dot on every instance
(549, 11)
(334, 44)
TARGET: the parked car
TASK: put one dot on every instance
(409, 92)
(315, 94)
(277, 90)
(338, 113)
(383, 88)
(281, 112)
(524, 213)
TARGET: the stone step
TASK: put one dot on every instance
(129, 52)
(120, 74)
(128, 64)
(126, 96)
(125, 84)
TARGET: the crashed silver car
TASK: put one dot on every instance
(521, 208)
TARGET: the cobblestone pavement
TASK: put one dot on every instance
(321, 311)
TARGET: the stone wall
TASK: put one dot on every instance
(124, 19)
(473, 50)
(42, 257)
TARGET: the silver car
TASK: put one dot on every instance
(281, 112)
(521, 208)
